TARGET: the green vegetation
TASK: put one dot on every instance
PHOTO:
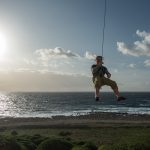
(55, 144)
(103, 138)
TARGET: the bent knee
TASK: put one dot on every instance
(97, 82)
(113, 85)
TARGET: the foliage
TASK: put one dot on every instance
(65, 133)
(14, 133)
(85, 146)
(55, 144)
(37, 139)
(27, 143)
(135, 146)
(11, 144)
(105, 138)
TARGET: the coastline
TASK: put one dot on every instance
(97, 119)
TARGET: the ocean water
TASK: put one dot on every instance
(53, 104)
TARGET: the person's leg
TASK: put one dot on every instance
(116, 92)
(112, 84)
(114, 87)
(97, 92)
(97, 83)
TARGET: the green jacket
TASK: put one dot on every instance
(99, 70)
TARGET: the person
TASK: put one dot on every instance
(99, 71)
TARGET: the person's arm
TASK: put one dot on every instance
(95, 68)
(107, 73)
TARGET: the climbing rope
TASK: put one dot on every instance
(103, 35)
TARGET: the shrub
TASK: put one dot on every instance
(28, 144)
(80, 143)
(90, 146)
(14, 133)
(12, 145)
(55, 144)
(64, 133)
(103, 147)
(140, 146)
(37, 139)
(78, 148)
(26, 141)
(85, 146)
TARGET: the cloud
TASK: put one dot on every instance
(147, 63)
(139, 48)
(70, 63)
(46, 54)
(30, 62)
(131, 65)
(116, 70)
(89, 55)
(20, 70)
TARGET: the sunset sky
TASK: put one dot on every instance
(49, 45)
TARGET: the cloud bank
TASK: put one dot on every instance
(58, 52)
(59, 61)
(147, 63)
(139, 48)
(46, 54)
(132, 65)
(89, 55)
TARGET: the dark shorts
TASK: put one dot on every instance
(101, 81)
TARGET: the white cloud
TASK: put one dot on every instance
(46, 54)
(139, 48)
(89, 55)
(116, 70)
(147, 63)
(22, 69)
(30, 62)
(59, 61)
(49, 58)
(132, 65)
(69, 62)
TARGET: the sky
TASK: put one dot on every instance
(50, 45)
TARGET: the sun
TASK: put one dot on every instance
(2, 45)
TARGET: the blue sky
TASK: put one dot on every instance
(47, 45)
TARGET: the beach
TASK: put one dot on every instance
(98, 119)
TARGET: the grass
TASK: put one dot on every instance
(102, 138)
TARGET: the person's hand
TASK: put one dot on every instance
(99, 65)
(108, 75)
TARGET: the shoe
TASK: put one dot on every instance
(120, 98)
(96, 98)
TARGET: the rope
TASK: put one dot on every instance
(103, 37)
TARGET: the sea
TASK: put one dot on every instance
(49, 104)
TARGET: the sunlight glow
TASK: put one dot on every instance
(2, 46)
